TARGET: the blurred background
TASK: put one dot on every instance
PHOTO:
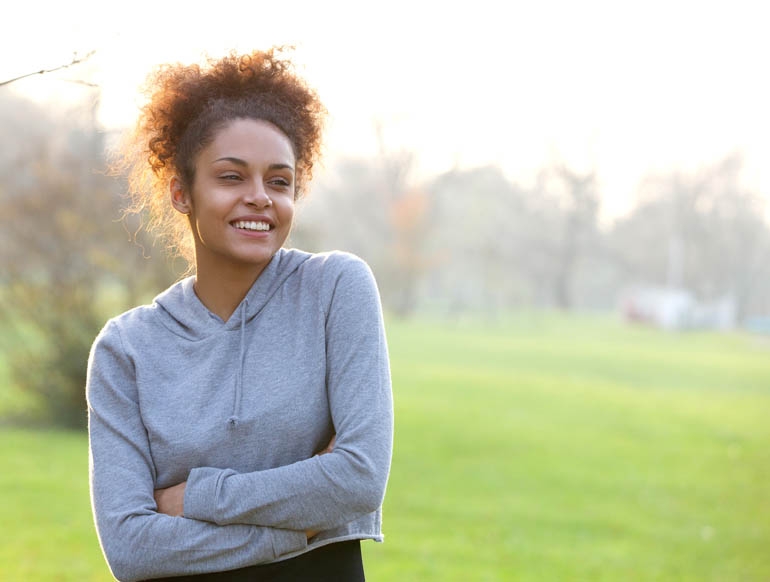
(567, 210)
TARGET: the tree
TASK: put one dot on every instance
(477, 219)
(65, 262)
(373, 208)
(76, 60)
(703, 232)
(566, 209)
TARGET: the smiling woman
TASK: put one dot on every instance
(241, 425)
(240, 205)
(189, 105)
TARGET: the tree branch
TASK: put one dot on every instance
(75, 61)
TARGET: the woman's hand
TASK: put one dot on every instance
(171, 500)
(329, 448)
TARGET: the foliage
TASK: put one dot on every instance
(62, 249)
(472, 240)
(543, 448)
(373, 209)
(468, 240)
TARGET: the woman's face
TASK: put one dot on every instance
(241, 204)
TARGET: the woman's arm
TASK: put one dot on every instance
(137, 541)
(170, 500)
(329, 490)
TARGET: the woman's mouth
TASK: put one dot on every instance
(251, 225)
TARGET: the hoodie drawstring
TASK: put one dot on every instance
(233, 420)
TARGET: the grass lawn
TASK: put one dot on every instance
(47, 531)
(542, 448)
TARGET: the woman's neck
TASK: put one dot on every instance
(221, 289)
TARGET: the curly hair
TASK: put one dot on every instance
(188, 104)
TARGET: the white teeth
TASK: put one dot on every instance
(252, 225)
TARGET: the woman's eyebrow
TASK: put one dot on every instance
(236, 161)
(281, 167)
(243, 163)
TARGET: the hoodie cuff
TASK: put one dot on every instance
(287, 540)
(200, 494)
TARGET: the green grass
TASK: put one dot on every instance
(542, 448)
(47, 531)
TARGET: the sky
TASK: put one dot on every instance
(622, 88)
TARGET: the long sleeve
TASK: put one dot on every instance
(325, 491)
(138, 542)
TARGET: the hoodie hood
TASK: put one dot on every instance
(183, 313)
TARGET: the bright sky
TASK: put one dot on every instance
(625, 87)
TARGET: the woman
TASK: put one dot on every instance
(241, 425)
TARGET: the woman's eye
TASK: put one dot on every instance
(282, 182)
(229, 177)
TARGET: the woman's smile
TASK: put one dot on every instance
(241, 205)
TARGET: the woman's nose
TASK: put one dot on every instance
(257, 196)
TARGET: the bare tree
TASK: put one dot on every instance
(702, 231)
(476, 221)
(75, 61)
(578, 204)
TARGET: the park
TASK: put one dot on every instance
(540, 447)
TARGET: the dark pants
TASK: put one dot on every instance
(338, 562)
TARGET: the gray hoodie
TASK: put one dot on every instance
(238, 409)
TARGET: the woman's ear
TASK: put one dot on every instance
(179, 197)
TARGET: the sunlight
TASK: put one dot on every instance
(623, 89)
